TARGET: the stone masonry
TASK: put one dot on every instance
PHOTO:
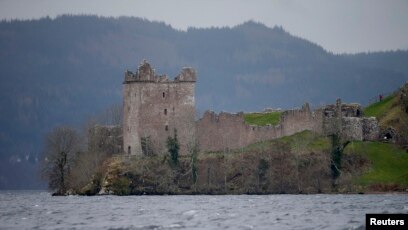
(229, 131)
(155, 107)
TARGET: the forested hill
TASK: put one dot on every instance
(60, 71)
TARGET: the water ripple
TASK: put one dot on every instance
(39, 210)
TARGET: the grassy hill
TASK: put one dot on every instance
(305, 141)
(386, 166)
(261, 119)
(293, 164)
(299, 163)
(381, 108)
(392, 113)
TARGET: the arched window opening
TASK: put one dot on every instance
(388, 136)
(165, 111)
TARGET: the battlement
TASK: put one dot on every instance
(153, 112)
(145, 73)
(154, 107)
(229, 130)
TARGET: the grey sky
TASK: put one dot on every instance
(339, 26)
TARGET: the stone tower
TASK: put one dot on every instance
(155, 107)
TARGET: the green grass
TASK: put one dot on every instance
(380, 108)
(389, 164)
(299, 142)
(262, 119)
(302, 142)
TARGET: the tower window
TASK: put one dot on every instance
(165, 111)
(164, 94)
(129, 150)
(166, 128)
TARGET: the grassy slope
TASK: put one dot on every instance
(307, 148)
(389, 113)
(389, 163)
(272, 118)
(381, 108)
(305, 141)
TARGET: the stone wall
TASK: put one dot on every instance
(347, 121)
(217, 132)
(154, 107)
(229, 131)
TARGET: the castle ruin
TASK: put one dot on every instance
(229, 131)
(155, 107)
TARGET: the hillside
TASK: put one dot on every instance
(64, 70)
(295, 164)
(376, 167)
(392, 114)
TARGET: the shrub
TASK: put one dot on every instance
(173, 147)
(121, 186)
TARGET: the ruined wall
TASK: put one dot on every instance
(371, 129)
(294, 121)
(154, 107)
(229, 131)
(347, 121)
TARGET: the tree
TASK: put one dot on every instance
(263, 166)
(336, 154)
(147, 146)
(173, 147)
(87, 171)
(61, 146)
(194, 149)
(113, 115)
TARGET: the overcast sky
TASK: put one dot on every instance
(339, 26)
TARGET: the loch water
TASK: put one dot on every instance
(40, 210)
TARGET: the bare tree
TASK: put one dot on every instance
(113, 115)
(61, 146)
(87, 170)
